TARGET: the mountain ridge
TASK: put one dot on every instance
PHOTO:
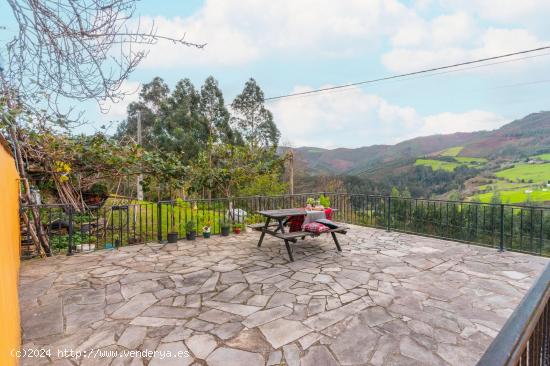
(521, 137)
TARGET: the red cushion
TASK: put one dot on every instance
(315, 227)
(328, 213)
(296, 222)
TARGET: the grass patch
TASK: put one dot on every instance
(452, 151)
(517, 196)
(437, 164)
(545, 157)
(538, 173)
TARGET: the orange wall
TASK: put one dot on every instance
(10, 337)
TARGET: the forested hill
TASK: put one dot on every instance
(520, 138)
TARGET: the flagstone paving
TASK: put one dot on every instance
(387, 299)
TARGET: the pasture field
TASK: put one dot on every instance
(516, 196)
(545, 157)
(537, 172)
(437, 164)
(452, 151)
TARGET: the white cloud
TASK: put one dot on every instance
(238, 32)
(354, 118)
(117, 111)
(443, 48)
(516, 11)
(475, 120)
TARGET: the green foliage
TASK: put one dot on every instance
(252, 119)
(523, 172)
(394, 192)
(99, 189)
(190, 226)
(437, 164)
(324, 200)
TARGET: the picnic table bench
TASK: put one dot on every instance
(281, 217)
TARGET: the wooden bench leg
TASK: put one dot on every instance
(336, 242)
(289, 250)
(266, 226)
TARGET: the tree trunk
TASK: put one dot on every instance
(36, 224)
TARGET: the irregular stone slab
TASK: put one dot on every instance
(281, 331)
(318, 356)
(132, 289)
(230, 292)
(132, 337)
(457, 355)
(210, 284)
(250, 340)
(321, 321)
(292, 354)
(233, 357)
(265, 316)
(242, 310)
(78, 316)
(180, 353)
(135, 306)
(258, 276)
(316, 305)
(199, 325)
(141, 276)
(201, 345)
(170, 312)
(281, 298)
(258, 300)
(217, 316)
(355, 345)
(274, 358)
(147, 321)
(42, 321)
(409, 348)
(376, 315)
(227, 330)
(178, 334)
(33, 289)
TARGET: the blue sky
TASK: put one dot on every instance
(295, 45)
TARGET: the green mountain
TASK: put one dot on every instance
(519, 139)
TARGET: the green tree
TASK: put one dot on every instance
(252, 119)
(212, 108)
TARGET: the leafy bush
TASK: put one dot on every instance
(325, 201)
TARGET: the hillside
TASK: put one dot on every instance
(518, 139)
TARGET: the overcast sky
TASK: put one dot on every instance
(297, 45)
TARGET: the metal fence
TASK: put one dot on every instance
(506, 227)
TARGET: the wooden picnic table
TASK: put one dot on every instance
(281, 216)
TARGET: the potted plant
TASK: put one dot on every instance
(237, 228)
(173, 237)
(309, 203)
(225, 227)
(206, 230)
(190, 230)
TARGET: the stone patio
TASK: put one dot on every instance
(388, 299)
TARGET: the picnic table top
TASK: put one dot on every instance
(277, 214)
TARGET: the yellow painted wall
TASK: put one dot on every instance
(10, 337)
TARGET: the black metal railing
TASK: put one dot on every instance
(525, 338)
(506, 227)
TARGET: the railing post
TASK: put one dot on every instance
(501, 245)
(159, 222)
(70, 251)
(389, 214)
